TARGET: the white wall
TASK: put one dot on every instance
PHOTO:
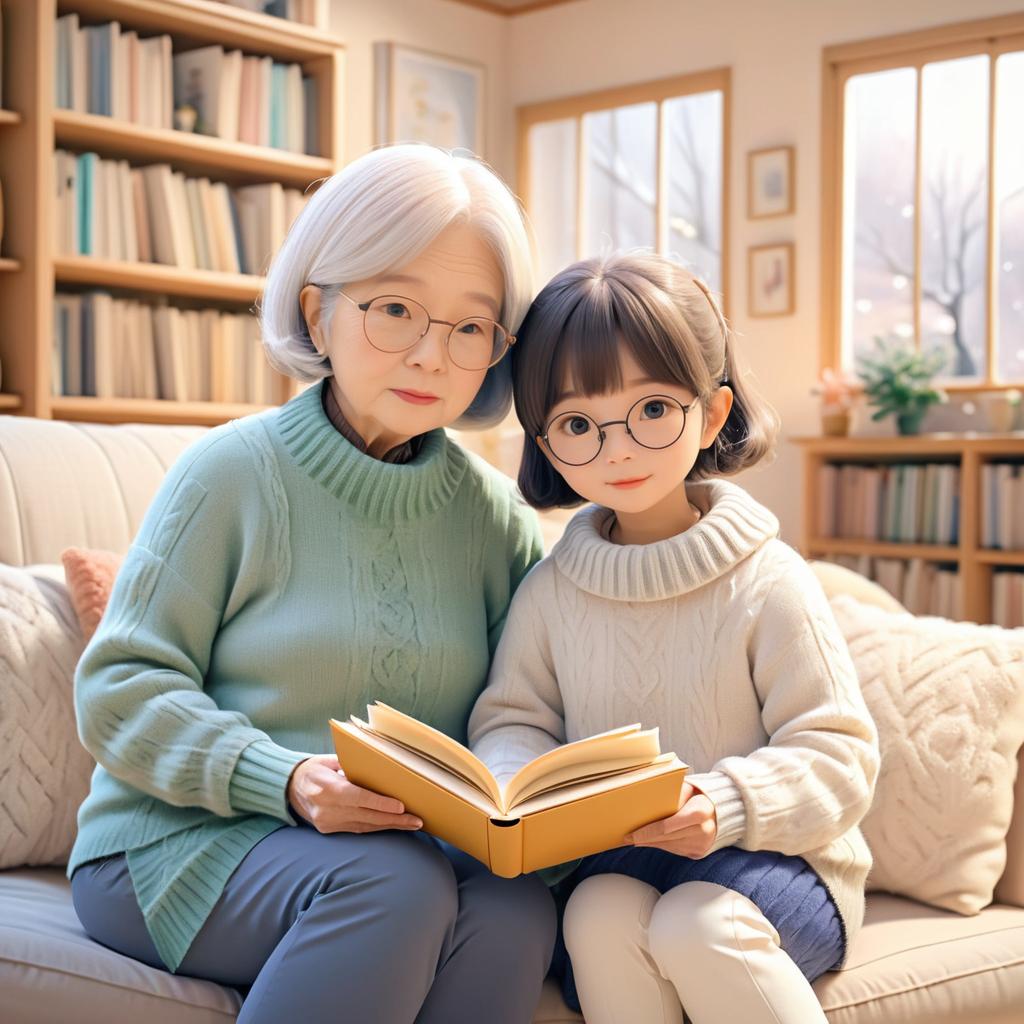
(453, 29)
(774, 48)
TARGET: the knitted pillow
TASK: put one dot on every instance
(948, 700)
(90, 577)
(44, 770)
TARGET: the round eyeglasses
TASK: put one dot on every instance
(394, 323)
(657, 421)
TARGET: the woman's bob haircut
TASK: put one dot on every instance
(667, 319)
(377, 214)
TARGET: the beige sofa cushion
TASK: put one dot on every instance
(44, 770)
(50, 970)
(912, 964)
(948, 699)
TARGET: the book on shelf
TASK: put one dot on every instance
(306, 12)
(899, 503)
(1008, 598)
(154, 214)
(578, 799)
(1002, 497)
(922, 587)
(107, 347)
(108, 70)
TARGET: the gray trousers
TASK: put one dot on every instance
(378, 928)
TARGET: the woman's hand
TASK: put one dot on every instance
(319, 793)
(690, 832)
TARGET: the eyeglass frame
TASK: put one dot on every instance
(611, 423)
(365, 306)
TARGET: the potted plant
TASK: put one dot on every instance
(898, 380)
(837, 391)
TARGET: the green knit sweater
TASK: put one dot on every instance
(280, 578)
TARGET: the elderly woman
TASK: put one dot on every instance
(294, 566)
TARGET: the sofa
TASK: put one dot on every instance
(87, 485)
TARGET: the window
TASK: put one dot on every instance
(638, 166)
(923, 223)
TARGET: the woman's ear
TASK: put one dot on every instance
(718, 412)
(309, 300)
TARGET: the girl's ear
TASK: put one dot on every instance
(718, 412)
(552, 462)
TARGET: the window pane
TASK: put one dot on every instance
(878, 209)
(1009, 189)
(552, 191)
(621, 185)
(693, 205)
(954, 214)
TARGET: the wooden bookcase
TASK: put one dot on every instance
(970, 451)
(32, 128)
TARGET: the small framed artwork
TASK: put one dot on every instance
(770, 284)
(427, 97)
(770, 182)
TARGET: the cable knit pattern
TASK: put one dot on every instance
(722, 638)
(281, 577)
(42, 775)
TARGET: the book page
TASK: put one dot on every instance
(569, 794)
(434, 744)
(436, 773)
(628, 745)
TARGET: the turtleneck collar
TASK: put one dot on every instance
(383, 491)
(732, 526)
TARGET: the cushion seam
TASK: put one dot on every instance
(117, 985)
(920, 988)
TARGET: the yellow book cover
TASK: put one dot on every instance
(578, 799)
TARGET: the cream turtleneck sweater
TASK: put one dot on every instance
(721, 637)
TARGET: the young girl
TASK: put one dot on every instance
(671, 602)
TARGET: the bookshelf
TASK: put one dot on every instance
(33, 128)
(975, 563)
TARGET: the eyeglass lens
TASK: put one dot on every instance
(394, 323)
(654, 422)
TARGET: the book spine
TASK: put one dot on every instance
(505, 847)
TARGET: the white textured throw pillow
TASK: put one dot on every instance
(948, 700)
(44, 770)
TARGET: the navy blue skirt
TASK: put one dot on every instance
(785, 889)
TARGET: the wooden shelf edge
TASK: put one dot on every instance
(219, 23)
(8, 264)
(9, 117)
(149, 277)
(144, 410)
(96, 131)
(996, 556)
(9, 402)
(919, 444)
(884, 549)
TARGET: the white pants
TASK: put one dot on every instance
(641, 958)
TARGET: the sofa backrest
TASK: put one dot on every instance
(78, 484)
(88, 485)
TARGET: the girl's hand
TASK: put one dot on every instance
(319, 793)
(690, 832)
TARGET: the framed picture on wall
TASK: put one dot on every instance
(427, 97)
(770, 284)
(770, 182)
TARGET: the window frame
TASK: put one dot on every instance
(656, 91)
(991, 36)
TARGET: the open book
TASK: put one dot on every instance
(578, 799)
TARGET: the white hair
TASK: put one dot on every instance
(377, 214)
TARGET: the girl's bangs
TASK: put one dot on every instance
(588, 357)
